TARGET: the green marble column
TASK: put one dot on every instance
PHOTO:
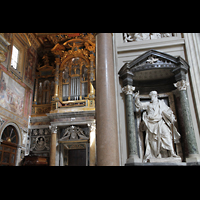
(130, 123)
(190, 136)
(193, 154)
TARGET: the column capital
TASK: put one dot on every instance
(53, 128)
(181, 85)
(128, 89)
(92, 126)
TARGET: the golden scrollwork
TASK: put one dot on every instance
(58, 49)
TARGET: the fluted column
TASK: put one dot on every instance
(106, 116)
(53, 145)
(193, 154)
(130, 124)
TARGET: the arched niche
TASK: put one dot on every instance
(155, 70)
(11, 138)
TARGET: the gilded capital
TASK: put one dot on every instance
(181, 85)
(128, 89)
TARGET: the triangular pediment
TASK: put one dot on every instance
(152, 53)
(154, 59)
(154, 65)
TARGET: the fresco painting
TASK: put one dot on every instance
(11, 94)
(30, 67)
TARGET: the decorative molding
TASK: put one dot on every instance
(74, 133)
(33, 40)
(128, 89)
(132, 37)
(4, 44)
(181, 85)
(40, 140)
(1, 122)
(92, 126)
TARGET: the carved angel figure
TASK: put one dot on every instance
(74, 132)
(158, 122)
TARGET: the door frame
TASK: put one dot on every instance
(76, 144)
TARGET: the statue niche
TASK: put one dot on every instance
(158, 123)
(154, 71)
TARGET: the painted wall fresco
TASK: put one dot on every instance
(8, 37)
(11, 94)
(29, 75)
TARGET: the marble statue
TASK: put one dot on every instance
(158, 122)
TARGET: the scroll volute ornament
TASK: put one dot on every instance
(58, 49)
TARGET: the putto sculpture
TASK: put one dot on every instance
(158, 122)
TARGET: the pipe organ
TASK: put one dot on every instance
(74, 80)
(69, 82)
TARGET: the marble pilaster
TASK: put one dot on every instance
(106, 116)
(53, 146)
(92, 128)
(193, 154)
(130, 123)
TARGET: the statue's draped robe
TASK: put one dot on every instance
(158, 129)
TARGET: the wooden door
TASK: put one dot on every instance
(77, 157)
(7, 155)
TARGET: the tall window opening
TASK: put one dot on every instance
(15, 57)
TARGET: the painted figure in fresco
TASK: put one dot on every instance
(158, 122)
(3, 94)
(2, 84)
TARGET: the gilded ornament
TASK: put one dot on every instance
(2, 56)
